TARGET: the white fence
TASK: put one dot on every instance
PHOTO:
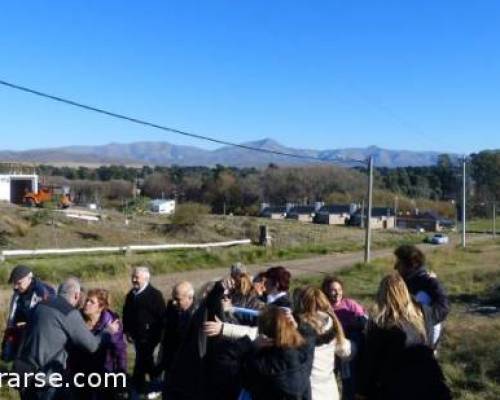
(116, 249)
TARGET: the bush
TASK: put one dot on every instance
(10, 226)
(139, 205)
(39, 217)
(189, 214)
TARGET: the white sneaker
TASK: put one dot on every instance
(154, 395)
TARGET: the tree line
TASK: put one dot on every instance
(241, 190)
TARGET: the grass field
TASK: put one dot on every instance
(93, 267)
(470, 350)
(483, 225)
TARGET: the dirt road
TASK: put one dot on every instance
(320, 265)
(308, 266)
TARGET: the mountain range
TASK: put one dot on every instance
(165, 154)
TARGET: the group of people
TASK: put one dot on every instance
(236, 338)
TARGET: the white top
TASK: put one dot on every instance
(323, 383)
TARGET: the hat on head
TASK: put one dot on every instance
(238, 269)
(19, 272)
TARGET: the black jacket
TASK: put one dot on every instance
(175, 331)
(283, 301)
(143, 315)
(275, 373)
(420, 281)
(192, 368)
(391, 370)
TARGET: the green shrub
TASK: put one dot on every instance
(189, 214)
(139, 205)
(40, 217)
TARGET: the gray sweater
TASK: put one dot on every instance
(54, 326)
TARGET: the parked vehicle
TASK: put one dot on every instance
(46, 194)
(439, 238)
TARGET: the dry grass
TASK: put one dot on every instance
(35, 228)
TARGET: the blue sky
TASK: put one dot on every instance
(420, 75)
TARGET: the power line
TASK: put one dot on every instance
(172, 130)
(403, 122)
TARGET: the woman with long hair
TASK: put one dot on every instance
(399, 361)
(277, 365)
(244, 294)
(314, 310)
(242, 303)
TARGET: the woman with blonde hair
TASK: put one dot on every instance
(399, 361)
(315, 312)
(244, 294)
(243, 303)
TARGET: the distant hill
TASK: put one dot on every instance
(163, 153)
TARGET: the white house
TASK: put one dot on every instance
(14, 186)
(162, 206)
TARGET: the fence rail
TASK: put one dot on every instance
(116, 249)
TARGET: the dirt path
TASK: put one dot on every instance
(315, 265)
(319, 265)
(308, 266)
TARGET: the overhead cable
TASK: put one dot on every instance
(173, 130)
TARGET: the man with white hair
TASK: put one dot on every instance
(143, 314)
(28, 292)
(54, 325)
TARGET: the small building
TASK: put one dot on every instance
(382, 218)
(304, 213)
(13, 186)
(278, 212)
(428, 221)
(162, 206)
(335, 214)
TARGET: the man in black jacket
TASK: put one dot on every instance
(178, 315)
(143, 313)
(422, 285)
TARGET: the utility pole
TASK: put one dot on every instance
(494, 220)
(395, 211)
(368, 232)
(362, 222)
(463, 202)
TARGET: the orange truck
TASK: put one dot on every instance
(48, 194)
